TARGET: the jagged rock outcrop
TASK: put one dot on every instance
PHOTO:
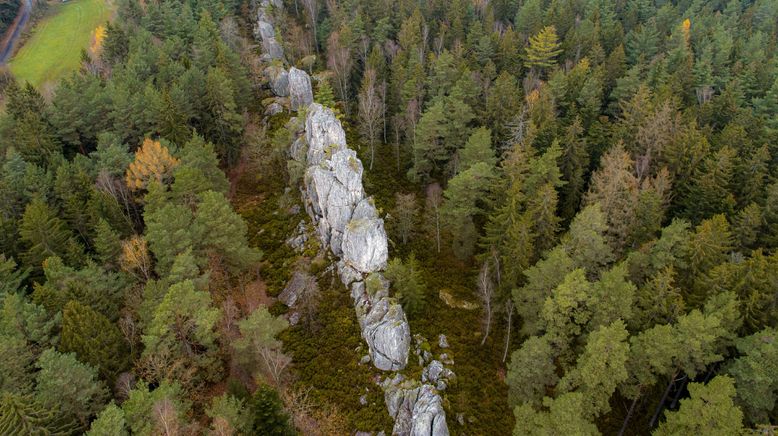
(365, 246)
(348, 223)
(417, 409)
(300, 91)
(323, 133)
(265, 31)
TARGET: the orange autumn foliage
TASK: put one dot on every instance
(152, 161)
(97, 40)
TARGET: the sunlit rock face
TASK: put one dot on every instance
(300, 91)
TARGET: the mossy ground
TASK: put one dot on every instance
(325, 354)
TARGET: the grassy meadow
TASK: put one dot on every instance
(54, 48)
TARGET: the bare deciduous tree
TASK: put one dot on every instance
(312, 9)
(509, 309)
(166, 418)
(371, 108)
(275, 362)
(486, 294)
(339, 61)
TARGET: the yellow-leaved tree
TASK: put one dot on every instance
(135, 257)
(152, 161)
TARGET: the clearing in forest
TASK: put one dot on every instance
(54, 48)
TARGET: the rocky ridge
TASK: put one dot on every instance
(348, 224)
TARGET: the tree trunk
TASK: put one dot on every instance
(372, 154)
(437, 229)
(488, 324)
(661, 404)
(629, 415)
(508, 332)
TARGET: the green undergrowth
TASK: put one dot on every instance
(326, 353)
(479, 392)
(326, 359)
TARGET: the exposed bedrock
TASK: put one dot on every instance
(348, 224)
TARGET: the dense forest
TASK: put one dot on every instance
(580, 196)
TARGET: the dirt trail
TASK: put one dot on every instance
(14, 32)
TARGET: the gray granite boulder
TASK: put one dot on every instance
(323, 132)
(365, 247)
(417, 409)
(278, 78)
(267, 35)
(428, 418)
(300, 283)
(300, 91)
(388, 335)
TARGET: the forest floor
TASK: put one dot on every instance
(54, 48)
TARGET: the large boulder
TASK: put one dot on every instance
(333, 202)
(365, 247)
(323, 132)
(278, 78)
(387, 334)
(417, 410)
(429, 418)
(300, 89)
(300, 284)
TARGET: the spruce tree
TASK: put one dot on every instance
(94, 339)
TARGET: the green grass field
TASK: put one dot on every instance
(54, 48)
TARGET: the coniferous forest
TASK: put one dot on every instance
(578, 198)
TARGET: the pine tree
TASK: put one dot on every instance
(429, 148)
(183, 330)
(600, 369)
(142, 406)
(258, 345)
(543, 49)
(71, 386)
(94, 339)
(170, 231)
(477, 149)
(408, 284)
(223, 232)
(756, 375)
(110, 422)
(710, 410)
(565, 415)
(532, 371)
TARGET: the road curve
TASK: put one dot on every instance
(7, 50)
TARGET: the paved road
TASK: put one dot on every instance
(7, 50)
